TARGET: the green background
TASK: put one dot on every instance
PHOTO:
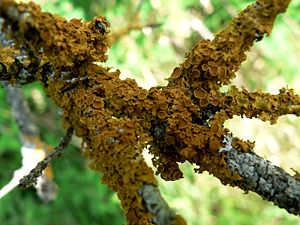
(149, 56)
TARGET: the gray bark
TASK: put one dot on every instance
(271, 182)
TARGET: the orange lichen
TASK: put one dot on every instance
(142, 94)
(213, 70)
(55, 39)
(178, 220)
(176, 73)
(204, 67)
(263, 105)
(244, 146)
(98, 104)
(214, 144)
(200, 93)
(180, 122)
(162, 114)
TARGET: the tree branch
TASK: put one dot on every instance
(271, 182)
(156, 205)
(31, 178)
(183, 121)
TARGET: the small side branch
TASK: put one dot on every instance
(264, 106)
(31, 178)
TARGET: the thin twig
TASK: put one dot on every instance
(31, 178)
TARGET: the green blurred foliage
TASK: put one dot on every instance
(81, 200)
(149, 56)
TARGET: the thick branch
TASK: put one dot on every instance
(249, 171)
(269, 181)
(117, 119)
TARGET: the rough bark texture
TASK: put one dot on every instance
(183, 121)
(271, 182)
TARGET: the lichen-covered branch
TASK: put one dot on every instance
(264, 106)
(31, 178)
(117, 119)
(15, 65)
(114, 145)
(213, 63)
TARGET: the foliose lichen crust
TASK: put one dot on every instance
(180, 122)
